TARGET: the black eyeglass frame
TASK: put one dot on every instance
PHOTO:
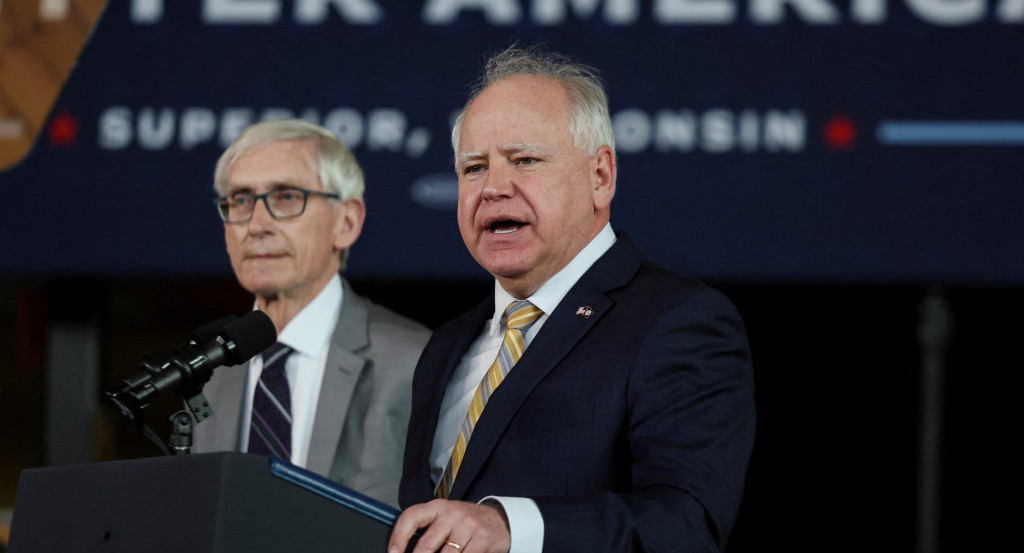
(219, 202)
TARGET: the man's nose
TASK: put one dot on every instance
(500, 183)
(261, 217)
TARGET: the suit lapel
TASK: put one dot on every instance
(465, 330)
(433, 372)
(342, 370)
(563, 331)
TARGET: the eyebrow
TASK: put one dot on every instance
(233, 188)
(521, 147)
(513, 148)
(466, 157)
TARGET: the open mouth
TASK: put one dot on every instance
(505, 227)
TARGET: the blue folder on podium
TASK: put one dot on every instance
(213, 502)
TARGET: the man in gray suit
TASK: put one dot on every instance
(343, 393)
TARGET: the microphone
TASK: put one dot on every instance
(227, 341)
(209, 331)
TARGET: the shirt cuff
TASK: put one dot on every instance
(525, 523)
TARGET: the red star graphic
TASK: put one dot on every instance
(840, 133)
(63, 130)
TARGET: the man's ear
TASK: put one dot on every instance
(348, 222)
(602, 176)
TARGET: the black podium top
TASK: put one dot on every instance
(214, 502)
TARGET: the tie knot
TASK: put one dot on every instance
(275, 352)
(521, 314)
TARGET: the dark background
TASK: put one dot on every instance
(837, 368)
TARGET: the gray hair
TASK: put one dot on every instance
(339, 170)
(589, 121)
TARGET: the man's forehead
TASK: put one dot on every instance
(254, 170)
(520, 98)
(521, 147)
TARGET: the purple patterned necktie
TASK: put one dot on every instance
(270, 432)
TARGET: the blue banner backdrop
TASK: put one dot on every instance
(759, 140)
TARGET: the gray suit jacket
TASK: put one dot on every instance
(363, 413)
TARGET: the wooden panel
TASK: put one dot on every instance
(38, 49)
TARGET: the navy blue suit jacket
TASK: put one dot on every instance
(631, 428)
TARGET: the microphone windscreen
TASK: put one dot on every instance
(209, 331)
(251, 333)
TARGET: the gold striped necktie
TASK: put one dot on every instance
(519, 315)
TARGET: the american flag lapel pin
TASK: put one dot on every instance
(585, 311)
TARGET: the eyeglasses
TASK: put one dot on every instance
(282, 203)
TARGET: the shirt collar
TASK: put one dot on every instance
(310, 330)
(550, 294)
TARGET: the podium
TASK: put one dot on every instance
(212, 502)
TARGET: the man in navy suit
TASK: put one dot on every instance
(627, 423)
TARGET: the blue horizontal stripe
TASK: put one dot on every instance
(951, 133)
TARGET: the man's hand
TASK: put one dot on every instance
(457, 526)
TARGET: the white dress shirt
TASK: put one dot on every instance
(525, 522)
(309, 335)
